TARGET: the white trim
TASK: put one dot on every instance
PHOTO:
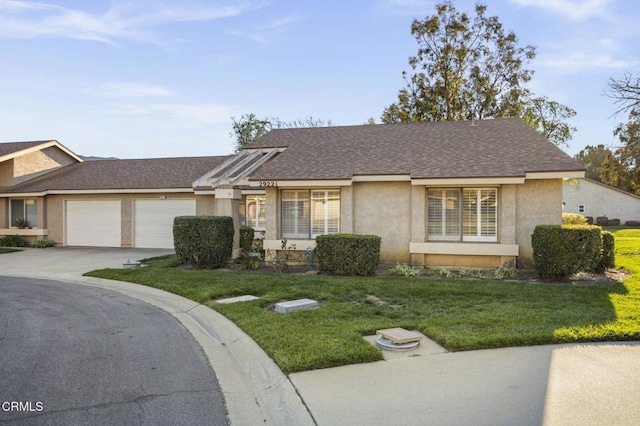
(253, 192)
(96, 191)
(39, 147)
(381, 178)
(469, 181)
(465, 249)
(303, 183)
(555, 175)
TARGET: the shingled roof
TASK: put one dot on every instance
(11, 147)
(454, 149)
(153, 173)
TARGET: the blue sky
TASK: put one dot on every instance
(136, 79)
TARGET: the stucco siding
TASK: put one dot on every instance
(6, 173)
(600, 200)
(538, 202)
(384, 209)
(37, 163)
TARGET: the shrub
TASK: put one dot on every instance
(279, 259)
(589, 220)
(12, 241)
(348, 254)
(614, 222)
(573, 219)
(608, 258)
(560, 251)
(203, 241)
(632, 223)
(602, 221)
(505, 273)
(246, 239)
(402, 269)
(43, 243)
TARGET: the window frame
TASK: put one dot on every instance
(25, 216)
(260, 201)
(309, 213)
(581, 208)
(479, 215)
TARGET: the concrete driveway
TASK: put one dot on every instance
(69, 262)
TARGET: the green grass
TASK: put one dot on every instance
(459, 315)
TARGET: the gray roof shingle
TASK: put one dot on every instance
(153, 173)
(455, 149)
(11, 147)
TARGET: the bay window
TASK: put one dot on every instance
(308, 213)
(462, 214)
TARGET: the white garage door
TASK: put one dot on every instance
(93, 223)
(153, 221)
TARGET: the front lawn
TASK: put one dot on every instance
(458, 314)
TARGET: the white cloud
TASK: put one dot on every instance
(577, 61)
(204, 114)
(264, 33)
(128, 90)
(573, 9)
(123, 21)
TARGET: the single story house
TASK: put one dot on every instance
(594, 199)
(465, 193)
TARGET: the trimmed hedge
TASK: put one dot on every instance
(573, 219)
(203, 241)
(563, 250)
(246, 238)
(348, 254)
(608, 259)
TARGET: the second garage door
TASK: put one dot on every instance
(153, 221)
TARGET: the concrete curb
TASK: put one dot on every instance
(254, 388)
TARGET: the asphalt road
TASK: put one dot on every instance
(72, 354)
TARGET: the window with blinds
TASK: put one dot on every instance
(308, 213)
(469, 214)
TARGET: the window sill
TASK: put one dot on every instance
(24, 232)
(465, 249)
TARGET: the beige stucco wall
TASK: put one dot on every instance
(538, 202)
(6, 173)
(36, 163)
(384, 209)
(600, 200)
(55, 211)
(396, 211)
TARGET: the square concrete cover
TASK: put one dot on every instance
(399, 335)
(296, 305)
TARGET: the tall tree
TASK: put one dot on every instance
(466, 67)
(469, 67)
(625, 91)
(249, 127)
(592, 157)
(549, 119)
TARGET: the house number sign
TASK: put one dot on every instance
(265, 183)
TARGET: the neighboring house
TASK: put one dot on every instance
(465, 194)
(108, 203)
(591, 198)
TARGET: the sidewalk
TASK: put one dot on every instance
(590, 384)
